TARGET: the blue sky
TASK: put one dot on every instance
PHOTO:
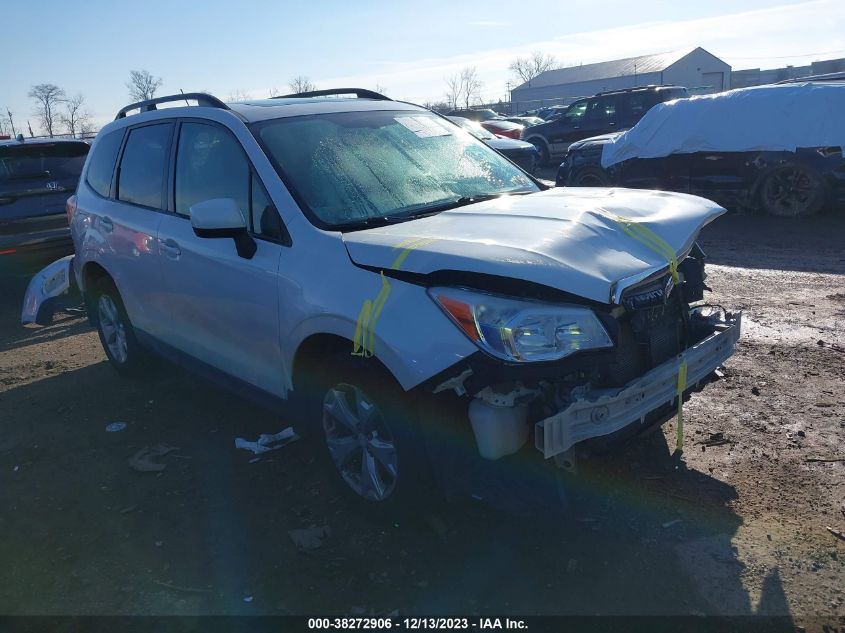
(406, 47)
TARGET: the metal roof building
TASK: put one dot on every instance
(695, 69)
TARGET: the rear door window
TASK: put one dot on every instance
(101, 165)
(141, 177)
(42, 161)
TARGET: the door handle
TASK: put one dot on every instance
(170, 248)
(106, 224)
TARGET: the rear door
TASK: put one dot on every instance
(128, 224)
(35, 181)
(224, 308)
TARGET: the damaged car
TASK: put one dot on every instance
(422, 305)
(774, 149)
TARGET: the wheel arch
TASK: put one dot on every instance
(316, 349)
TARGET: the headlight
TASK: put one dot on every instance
(522, 331)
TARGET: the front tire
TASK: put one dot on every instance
(543, 149)
(370, 436)
(589, 177)
(115, 330)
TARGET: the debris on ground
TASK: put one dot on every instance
(837, 533)
(170, 585)
(716, 439)
(114, 427)
(669, 524)
(266, 443)
(310, 538)
(824, 460)
(142, 461)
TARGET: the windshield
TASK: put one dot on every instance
(353, 168)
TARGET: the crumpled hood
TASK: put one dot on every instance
(563, 238)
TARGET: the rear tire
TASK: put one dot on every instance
(115, 330)
(369, 435)
(792, 191)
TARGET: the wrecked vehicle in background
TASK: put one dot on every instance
(419, 299)
(776, 149)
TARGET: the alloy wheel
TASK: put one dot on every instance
(114, 331)
(359, 442)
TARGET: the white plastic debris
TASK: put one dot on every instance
(266, 443)
(309, 538)
(114, 427)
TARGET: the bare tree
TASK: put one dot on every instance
(470, 86)
(238, 95)
(301, 83)
(48, 98)
(11, 121)
(75, 117)
(142, 85)
(526, 68)
(274, 92)
(454, 90)
(380, 89)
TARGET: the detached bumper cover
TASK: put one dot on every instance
(53, 281)
(605, 411)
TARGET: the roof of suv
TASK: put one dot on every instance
(650, 88)
(316, 102)
(263, 109)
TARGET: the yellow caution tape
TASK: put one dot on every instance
(364, 339)
(653, 241)
(682, 383)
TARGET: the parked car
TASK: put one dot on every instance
(36, 178)
(776, 149)
(606, 112)
(501, 127)
(422, 302)
(527, 121)
(523, 154)
(476, 114)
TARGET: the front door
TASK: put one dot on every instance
(224, 308)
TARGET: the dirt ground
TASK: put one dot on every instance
(739, 527)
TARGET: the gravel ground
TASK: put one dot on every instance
(739, 527)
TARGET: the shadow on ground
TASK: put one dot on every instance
(82, 532)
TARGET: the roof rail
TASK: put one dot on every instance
(361, 93)
(149, 105)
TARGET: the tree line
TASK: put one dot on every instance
(57, 113)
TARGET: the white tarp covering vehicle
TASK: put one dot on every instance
(742, 120)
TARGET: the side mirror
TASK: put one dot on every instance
(221, 217)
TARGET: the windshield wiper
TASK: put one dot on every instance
(422, 212)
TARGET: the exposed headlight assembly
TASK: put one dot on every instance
(522, 331)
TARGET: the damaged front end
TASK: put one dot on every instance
(602, 393)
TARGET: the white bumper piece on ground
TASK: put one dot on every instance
(604, 411)
(53, 281)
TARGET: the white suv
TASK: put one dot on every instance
(406, 285)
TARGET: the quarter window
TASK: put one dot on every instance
(141, 177)
(101, 166)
